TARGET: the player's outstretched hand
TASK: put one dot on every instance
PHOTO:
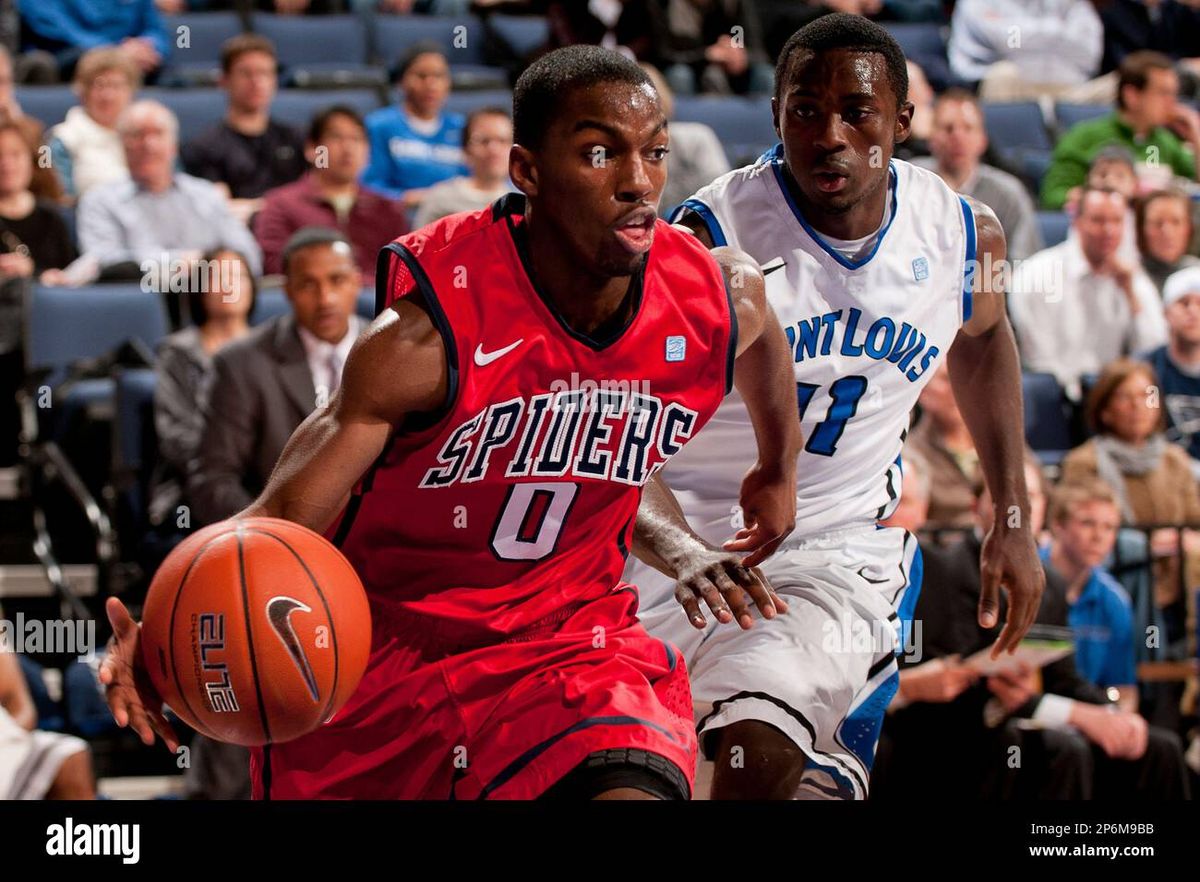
(1010, 563)
(768, 501)
(131, 696)
(728, 586)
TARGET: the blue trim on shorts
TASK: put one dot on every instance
(859, 732)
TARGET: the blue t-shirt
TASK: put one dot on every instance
(1181, 398)
(403, 158)
(1102, 619)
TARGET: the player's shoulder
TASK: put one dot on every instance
(736, 183)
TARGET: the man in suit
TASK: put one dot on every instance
(266, 383)
(1007, 736)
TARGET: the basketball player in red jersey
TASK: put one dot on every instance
(482, 463)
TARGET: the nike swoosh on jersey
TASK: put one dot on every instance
(279, 614)
(485, 358)
(771, 265)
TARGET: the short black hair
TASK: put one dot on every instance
(316, 129)
(550, 81)
(476, 114)
(841, 30)
(306, 237)
(412, 53)
(195, 299)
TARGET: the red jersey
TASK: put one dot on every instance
(516, 503)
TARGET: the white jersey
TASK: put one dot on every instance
(866, 336)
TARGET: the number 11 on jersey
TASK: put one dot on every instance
(846, 393)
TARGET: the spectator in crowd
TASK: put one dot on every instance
(946, 715)
(712, 46)
(1084, 520)
(1112, 168)
(1177, 363)
(33, 236)
(958, 142)
(941, 441)
(1057, 55)
(156, 214)
(696, 156)
(921, 96)
(1167, 26)
(417, 144)
(487, 141)
(1077, 305)
(329, 195)
(69, 28)
(1161, 133)
(45, 183)
(1151, 477)
(85, 148)
(219, 311)
(1164, 229)
(628, 26)
(247, 153)
(36, 764)
(266, 383)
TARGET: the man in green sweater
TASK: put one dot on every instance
(1149, 121)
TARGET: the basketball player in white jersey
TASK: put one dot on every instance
(866, 261)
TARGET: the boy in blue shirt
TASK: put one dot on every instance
(1177, 364)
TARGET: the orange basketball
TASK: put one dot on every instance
(255, 631)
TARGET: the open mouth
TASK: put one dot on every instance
(637, 232)
(829, 181)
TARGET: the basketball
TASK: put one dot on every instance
(255, 631)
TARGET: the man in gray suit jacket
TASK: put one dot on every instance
(266, 383)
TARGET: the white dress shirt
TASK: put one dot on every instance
(1071, 321)
(326, 360)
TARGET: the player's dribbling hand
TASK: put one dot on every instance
(1010, 562)
(728, 586)
(131, 697)
(768, 501)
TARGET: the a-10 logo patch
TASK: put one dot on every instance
(605, 434)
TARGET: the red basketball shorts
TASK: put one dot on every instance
(431, 720)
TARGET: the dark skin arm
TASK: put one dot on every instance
(316, 472)
(662, 538)
(14, 693)
(985, 373)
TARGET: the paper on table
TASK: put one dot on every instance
(1042, 645)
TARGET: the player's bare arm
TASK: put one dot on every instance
(663, 538)
(985, 372)
(397, 367)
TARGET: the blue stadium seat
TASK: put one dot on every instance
(320, 49)
(133, 438)
(365, 306)
(199, 62)
(269, 303)
(47, 104)
(923, 43)
(1018, 135)
(1054, 226)
(743, 125)
(522, 34)
(1069, 115)
(297, 107)
(465, 102)
(461, 37)
(196, 109)
(1047, 428)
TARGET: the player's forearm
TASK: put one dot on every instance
(766, 381)
(661, 535)
(985, 372)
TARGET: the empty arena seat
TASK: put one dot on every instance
(1018, 135)
(1054, 226)
(1070, 115)
(297, 107)
(47, 104)
(365, 305)
(134, 440)
(923, 42)
(521, 34)
(196, 109)
(196, 40)
(1047, 427)
(320, 50)
(461, 38)
(743, 125)
(269, 303)
(465, 102)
